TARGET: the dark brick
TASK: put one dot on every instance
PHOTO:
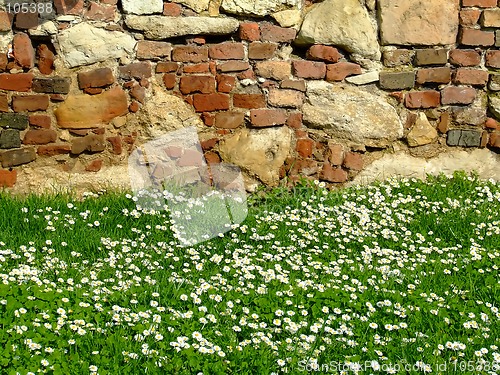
(56, 85)
(463, 138)
(272, 33)
(14, 121)
(434, 75)
(138, 70)
(10, 138)
(101, 77)
(430, 56)
(397, 80)
(13, 158)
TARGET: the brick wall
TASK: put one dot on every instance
(77, 118)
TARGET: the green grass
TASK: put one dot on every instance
(401, 274)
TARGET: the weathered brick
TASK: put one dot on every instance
(474, 37)
(249, 101)
(294, 120)
(479, 3)
(100, 12)
(53, 150)
(491, 123)
(335, 153)
(323, 53)
(278, 70)
(39, 136)
(491, 18)
(249, 31)
(153, 50)
(309, 69)
(233, 66)
(353, 161)
(201, 84)
(229, 120)
(227, 51)
(444, 122)
(422, 99)
(45, 61)
(138, 93)
(190, 158)
(341, 70)
(285, 98)
(5, 21)
(172, 10)
(91, 143)
(196, 68)
(30, 103)
(24, 53)
(26, 21)
(194, 54)
(225, 83)
(136, 70)
(473, 77)
(10, 138)
(55, 85)
(493, 59)
(167, 67)
(4, 103)
(267, 117)
(462, 57)
(294, 84)
(434, 75)
(304, 147)
(116, 144)
(457, 95)
(16, 82)
(396, 80)
(94, 166)
(3, 62)
(398, 57)
(210, 102)
(431, 56)
(8, 178)
(14, 121)
(335, 175)
(13, 158)
(169, 81)
(261, 50)
(272, 33)
(212, 158)
(74, 7)
(494, 140)
(40, 121)
(469, 17)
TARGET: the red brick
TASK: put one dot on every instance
(227, 51)
(152, 50)
(422, 99)
(225, 83)
(30, 103)
(473, 37)
(249, 31)
(466, 76)
(172, 10)
(272, 33)
(5, 21)
(444, 123)
(494, 140)
(341, 70)
(93, 90)
(229, 120)
(137, 70)
(335, 154)
(192, 54)
(41, 121)
(250, 101)
(3, 62)
(99, 12)
(299, 84)
(4, 103)
(457, 95)
(116, 144)
(196, 68)
(336, 175)
(167, 67)
(493, 58)
(201, 84)
(261, 51)
(463, 57)
(45, 60)
(101, 77)
(309, 69)
(94, 166)
(24, 53)
(138, 93)
(353, 161)
(39, 136)
(233, 66)
(52, 150)
(26, 20)
(323, 53)
(212, 158)
(479, 3)
(469, 17)
(74, 7)
(434, 75)
(304, 147)
(209, 144)
(491, 123)
(169, 81)
(208, 118)
(294, 120)
(134, 106)
(8, 178)
(210, 102)
(267, 117)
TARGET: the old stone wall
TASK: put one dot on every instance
(331, 90)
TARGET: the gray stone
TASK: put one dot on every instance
(463, 138)
(431, 56)
(260, 152)
(10, 138)
(418, 22)
(494, 105)
(12, 158)
(259, 8)
(85, 44)
(397, 80)
(352, 114)
(161, 27)
(142, 6)
(345, 24)
(14, 121)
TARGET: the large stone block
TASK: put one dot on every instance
(259, 8)
(418, 22)
(142, 6)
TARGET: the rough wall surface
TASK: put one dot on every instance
(333, 90)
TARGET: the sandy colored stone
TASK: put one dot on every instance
(196, 5)
(422, 132)
(260, 7)
(418, 22)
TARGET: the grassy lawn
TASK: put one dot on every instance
(397, 277)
